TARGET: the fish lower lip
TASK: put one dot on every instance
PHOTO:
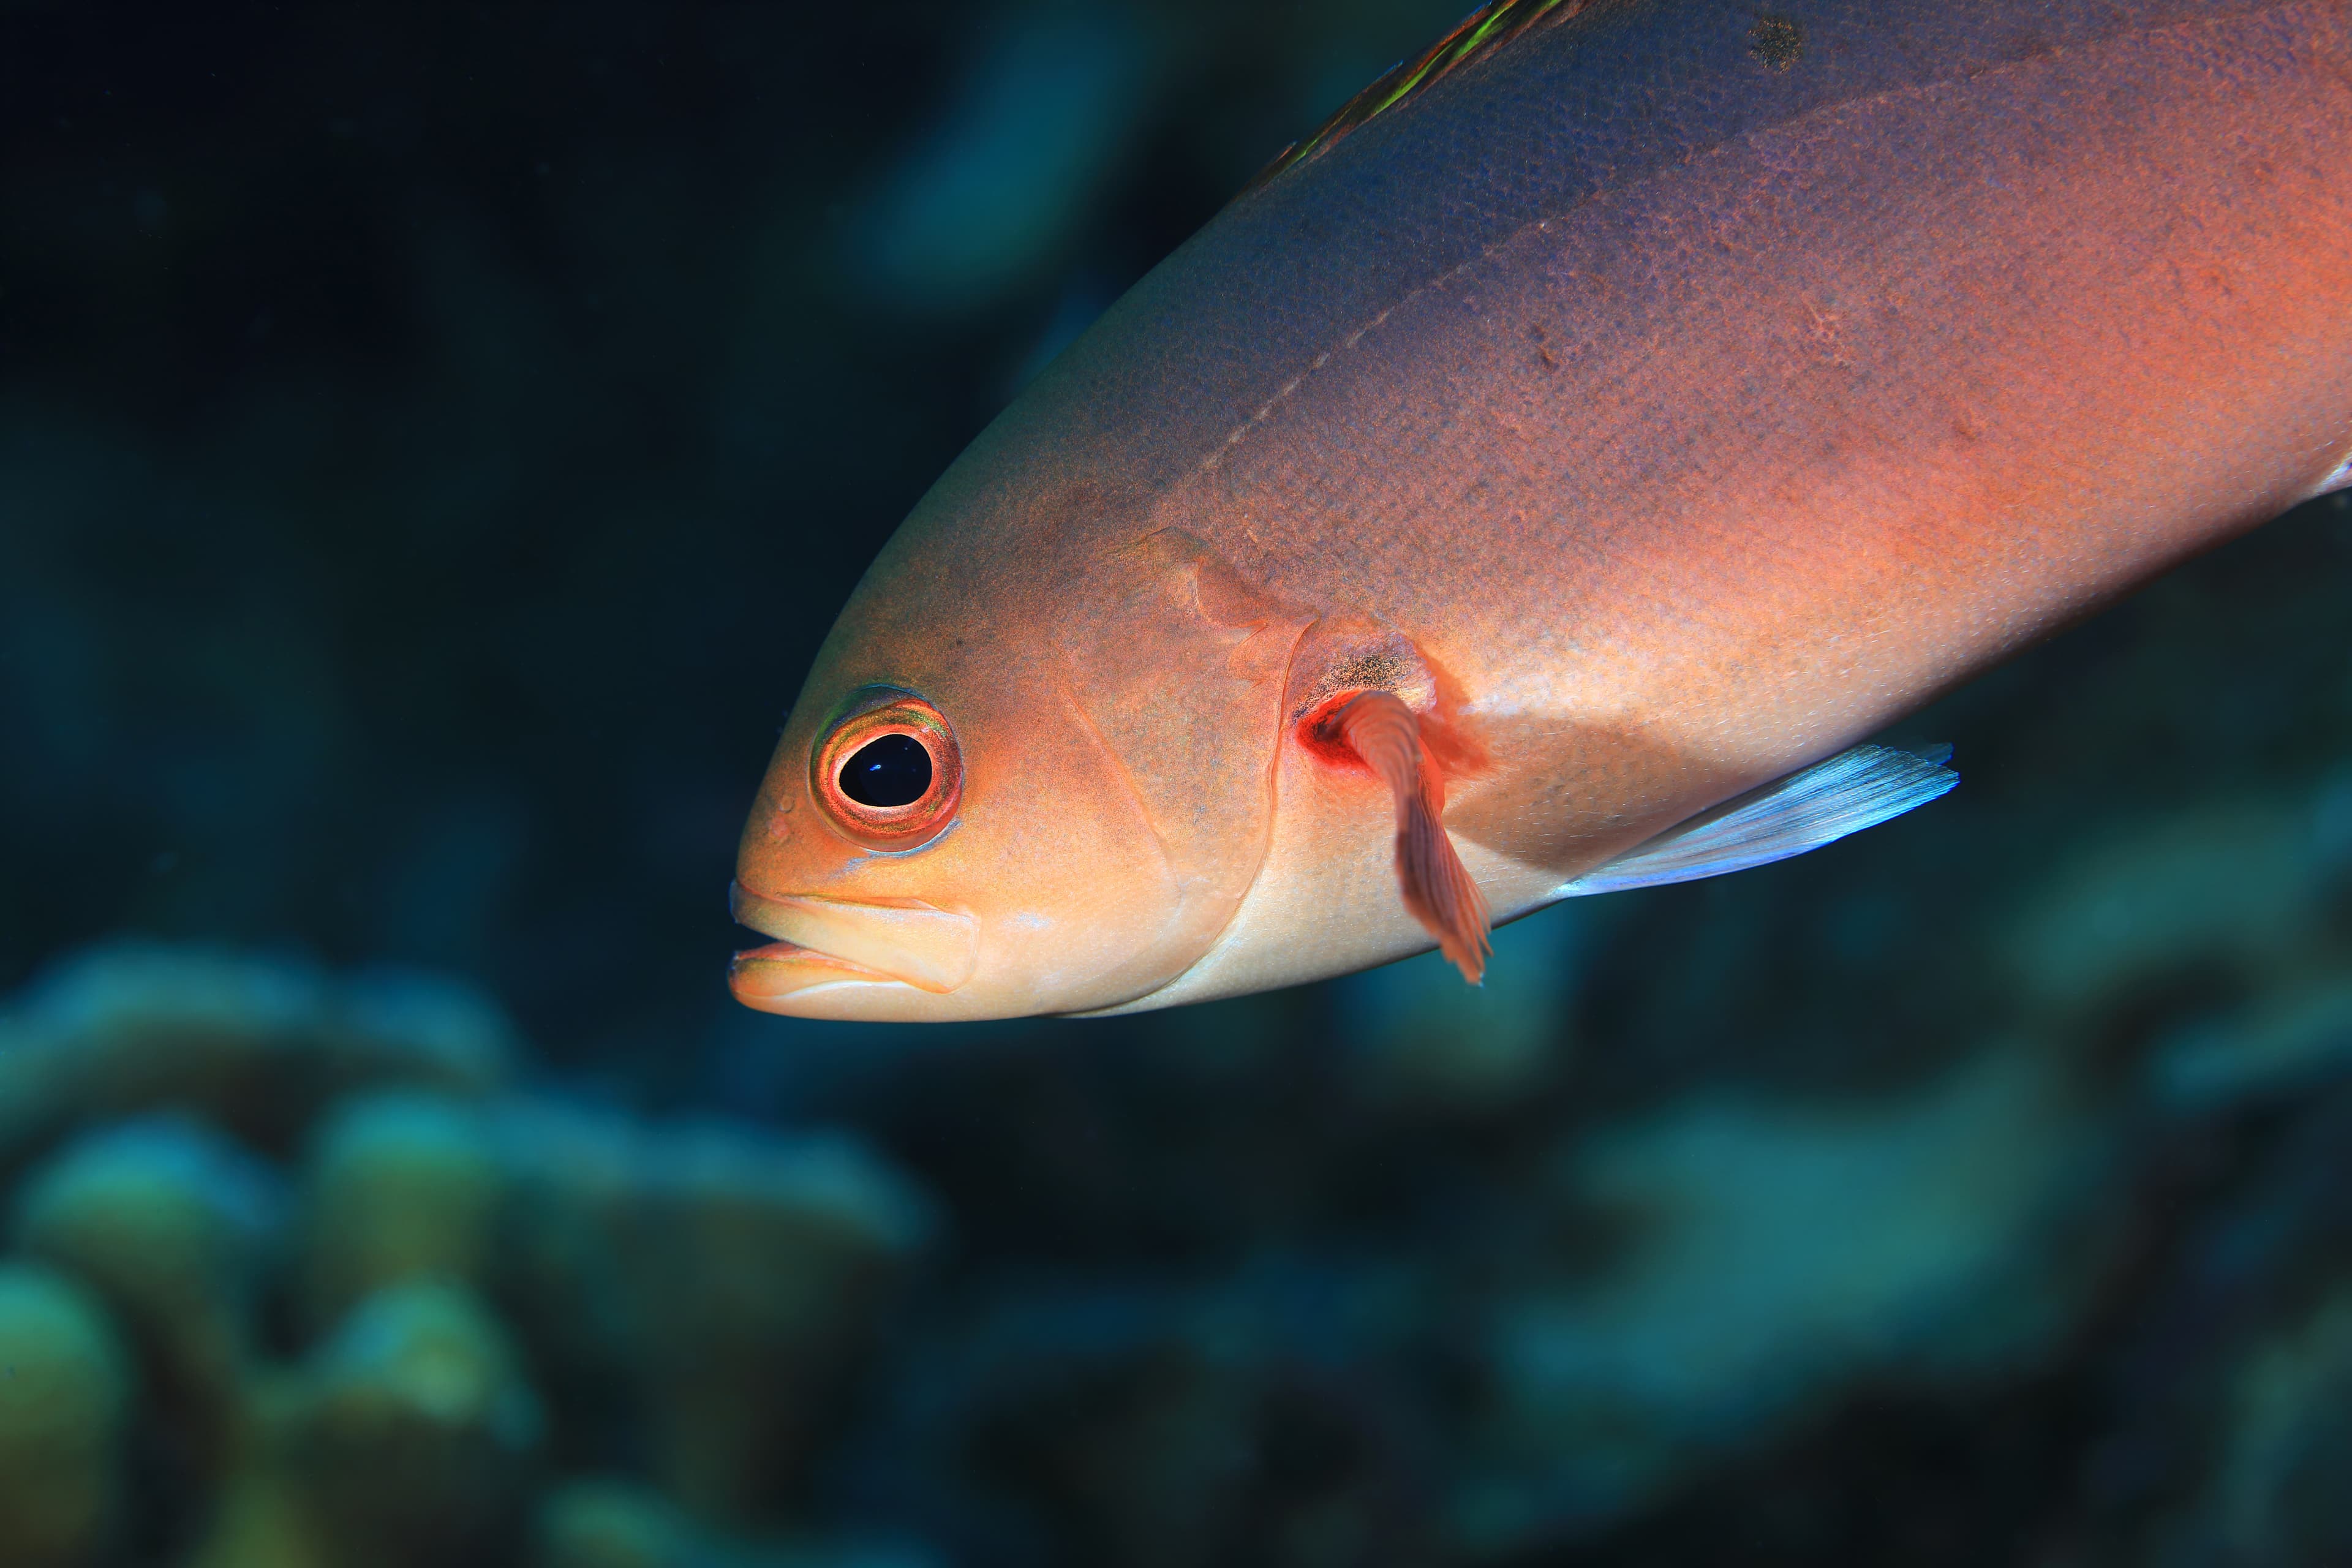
(759, 976)
(824, 940)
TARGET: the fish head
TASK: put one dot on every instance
(1029, 771)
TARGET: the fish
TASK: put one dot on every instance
(1547, 479)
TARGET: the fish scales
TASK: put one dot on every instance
(1676, 393)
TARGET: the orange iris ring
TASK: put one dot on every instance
(899, 827)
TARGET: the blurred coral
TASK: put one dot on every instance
(757, 1271)
(256, 1046)
(397, 1187)
(412, 1435)
(65, 1387)
(408, 1438)
(347, 1373)
(610, 1523)
(570, 1180)
(173, 1226)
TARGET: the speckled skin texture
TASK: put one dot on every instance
(1689, 407)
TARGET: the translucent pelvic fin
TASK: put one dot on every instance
(1816, 805)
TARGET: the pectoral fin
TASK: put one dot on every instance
(1383, 732)
(1816, 805)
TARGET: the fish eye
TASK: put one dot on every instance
(887, 769)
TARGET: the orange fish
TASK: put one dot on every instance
(1525, 487)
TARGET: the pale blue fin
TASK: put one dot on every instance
(1844, 794)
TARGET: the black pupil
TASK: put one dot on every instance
(889, 770)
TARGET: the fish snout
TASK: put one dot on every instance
(822, 942)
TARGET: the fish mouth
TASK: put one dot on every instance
(831, 943)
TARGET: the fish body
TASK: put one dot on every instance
(1653, 404)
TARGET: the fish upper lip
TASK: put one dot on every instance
(904, 939)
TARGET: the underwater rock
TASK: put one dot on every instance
(409, 1437)
(65, 1391)
(398, 1186)
(255, 1045)
(2279, 1042)
(173, 1225)
(1771, 1254)
(2277, 1497)
(757, 1267)
(2174, 908)
(1428, 1042)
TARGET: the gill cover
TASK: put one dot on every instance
(1178, 671)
